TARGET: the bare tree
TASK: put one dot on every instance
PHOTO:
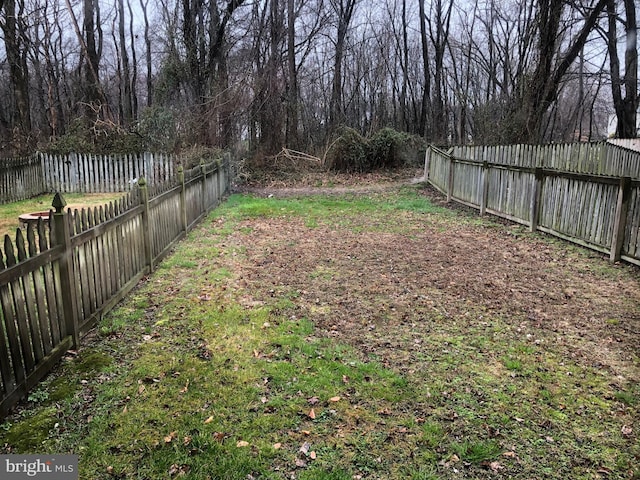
(439, 21)
(144, 6)
(343, 10)
(426, 65)
(626, 107)
(126, 101)
(292, 80)
(542, 89)
(16, 51)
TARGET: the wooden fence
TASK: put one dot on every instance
(55, 283)
(588, 194)
(81, 173)
(20, 178)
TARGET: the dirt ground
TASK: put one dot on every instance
(556, 292)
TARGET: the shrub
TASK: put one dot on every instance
(385, 149)
(157, 127)
(348, 152)
(193, 156)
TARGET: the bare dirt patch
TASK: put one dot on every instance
(359, 285)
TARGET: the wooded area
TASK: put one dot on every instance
(134, 75)
(55, 284)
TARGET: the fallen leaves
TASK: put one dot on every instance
(453, 459)
(495, 467)
(242, 444)
(185, 389)
(176, 470)
(305, 448)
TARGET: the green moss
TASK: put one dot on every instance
(28, 435)
(91, 362)
(62, 388)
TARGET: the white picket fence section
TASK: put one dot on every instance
(86, 173)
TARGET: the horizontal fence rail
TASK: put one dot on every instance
(595, 202)
(59, 277)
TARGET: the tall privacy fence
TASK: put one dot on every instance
(588, 194)
(55, 283)
(22, 178)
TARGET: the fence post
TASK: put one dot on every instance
(427, 163)
(536, 198)
(183, 199)
(620, 223)
(203, 185)
(224, 175)
(62, 236)
(450, 186)
(146, 229)
(485, 188)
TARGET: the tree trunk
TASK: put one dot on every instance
(292, 138)
(147, 42)
(440, 38)
(625, 107)
(92, 58)
(18, 70)
(125, 75)
(134, 61)
(344, 10)
(426, 94)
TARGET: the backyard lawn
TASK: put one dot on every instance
(10, 212)
(364, 334)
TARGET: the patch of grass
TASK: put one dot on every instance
(628, 398)
(513, 364)
(215, 368)
(9, 212)
(477, 451)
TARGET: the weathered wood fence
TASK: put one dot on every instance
(588, 194)
(21, 178)
(81, 173)
(56, 283)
